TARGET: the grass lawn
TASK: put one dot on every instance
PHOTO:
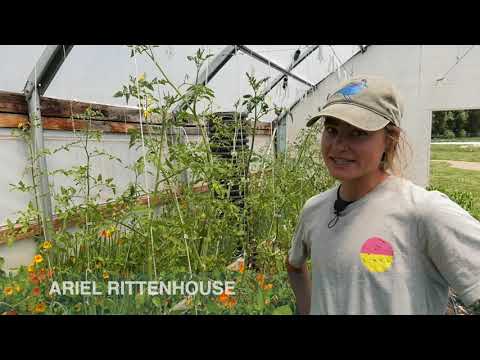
(457, 139)
(443, 175)
(455, 152)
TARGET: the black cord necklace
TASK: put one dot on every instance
(338, 207)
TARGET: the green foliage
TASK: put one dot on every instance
(192, 234)
(462, 123)
(449, 134)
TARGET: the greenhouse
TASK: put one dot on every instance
(170, 179)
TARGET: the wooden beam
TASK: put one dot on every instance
(35, 229)
(57, 109)
(8, 120)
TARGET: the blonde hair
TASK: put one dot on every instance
(398, 152)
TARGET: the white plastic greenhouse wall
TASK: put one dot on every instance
(95, 73)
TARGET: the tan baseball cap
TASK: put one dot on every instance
(367, 102)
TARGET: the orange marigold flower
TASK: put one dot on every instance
(231, 303)
(40, 308)
(38, 259)
(50, 273)
(267, 286)
(36, 291)
(260, 278)
(227, 300)
(223, 298)
(42, 275)
(47, 245)
(34, 279)
(241, 267)
(106, 234)
(8, 291)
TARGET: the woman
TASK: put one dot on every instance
(378, 243)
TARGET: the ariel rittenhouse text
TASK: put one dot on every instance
(143, 287)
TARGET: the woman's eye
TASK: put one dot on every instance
(359, 133)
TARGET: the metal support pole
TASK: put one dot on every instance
(40, 78)
(281, 136)
(40, 163)
(274, 65)
(292, 66)
(214, 67)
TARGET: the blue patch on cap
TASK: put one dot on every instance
(352, 89)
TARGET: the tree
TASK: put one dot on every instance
(438, 124)
(449, 120)
(473, 124)
(460, 122)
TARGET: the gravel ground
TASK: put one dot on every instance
(467, 165)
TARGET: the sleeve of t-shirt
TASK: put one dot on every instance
(453, 244)
(298, 253)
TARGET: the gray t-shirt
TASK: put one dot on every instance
(396, 250)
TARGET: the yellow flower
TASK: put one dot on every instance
(141, 77)
(106, 275)
(47, 245)
(31, 268)
(40, 308)
(18, 288)
(38, 259)
(146, 114)
(8, 291)
(20, 125)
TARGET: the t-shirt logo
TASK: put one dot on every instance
(376, 254)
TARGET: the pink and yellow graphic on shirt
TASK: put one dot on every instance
(376, 254)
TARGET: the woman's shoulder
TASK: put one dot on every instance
(429, 203)
(319, 200)
(416, 194)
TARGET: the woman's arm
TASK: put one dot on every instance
(302, 287)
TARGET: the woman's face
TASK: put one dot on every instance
(349, 152)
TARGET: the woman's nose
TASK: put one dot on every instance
(340, 141)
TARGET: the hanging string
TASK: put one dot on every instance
(341, 64)
(147, 190)
(459, 60)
